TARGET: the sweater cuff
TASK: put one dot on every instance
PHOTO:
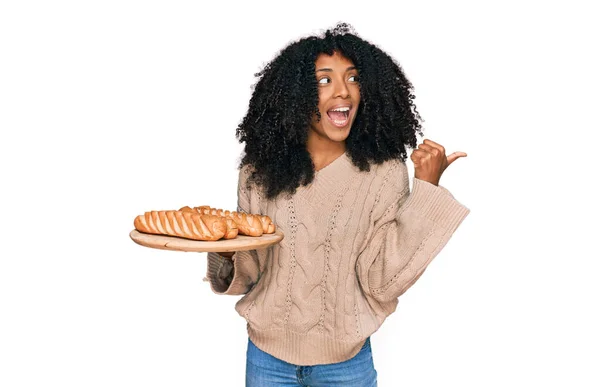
(219, 272)
(435, 203)
(443, 189)
(224, 274)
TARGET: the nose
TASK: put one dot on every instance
(341, 90)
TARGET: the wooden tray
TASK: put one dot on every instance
(239, 243)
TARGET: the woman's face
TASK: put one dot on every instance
(339, 96)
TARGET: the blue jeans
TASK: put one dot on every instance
(264, 370)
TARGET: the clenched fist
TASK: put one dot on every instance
(431, 161)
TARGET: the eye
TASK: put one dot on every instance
(353, 78)
(327, 80)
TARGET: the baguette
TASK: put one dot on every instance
(182, 224)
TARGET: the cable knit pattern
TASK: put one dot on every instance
(354, 242)
(330, 229)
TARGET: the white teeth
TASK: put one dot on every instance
(339, 122)
(341, 109)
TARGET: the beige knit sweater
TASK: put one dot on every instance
(354, 242)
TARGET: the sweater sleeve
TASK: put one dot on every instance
(407, 230)
(238, 274)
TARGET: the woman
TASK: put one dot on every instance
(325, 148)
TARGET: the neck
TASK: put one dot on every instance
(324, 151)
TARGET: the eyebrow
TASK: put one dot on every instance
(330, 70)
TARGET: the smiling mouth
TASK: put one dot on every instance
(340, 117)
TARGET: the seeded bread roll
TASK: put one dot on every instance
(182, 224)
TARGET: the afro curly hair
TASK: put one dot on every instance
(285, 98)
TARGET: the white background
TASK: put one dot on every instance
(109, 109)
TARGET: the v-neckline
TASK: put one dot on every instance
(335, 161)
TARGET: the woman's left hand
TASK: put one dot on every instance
(430, 161)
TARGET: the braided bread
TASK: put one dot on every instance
(232, 230)
(247, 224)
(267, 224)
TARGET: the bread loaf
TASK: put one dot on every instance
(183, 224)
(247, 224)
(267, 224)
(231, 231)
(204, 223)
